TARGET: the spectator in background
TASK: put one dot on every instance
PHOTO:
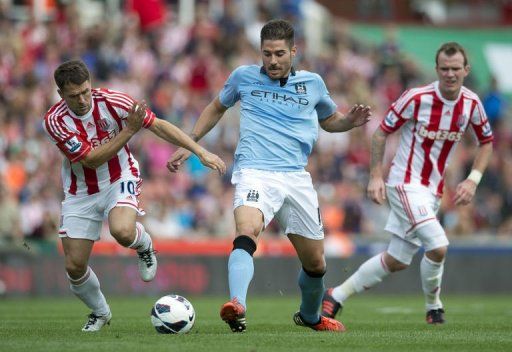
(494, 103)
(204, 28)
(229, 24)
(151, 13)
(10, 229)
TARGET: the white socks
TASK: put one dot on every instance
(142, 239)
(368, 275)
(431, 277)
(87, 288)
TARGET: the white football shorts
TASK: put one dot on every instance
(288, 196)
(413, 216)
(83, 216)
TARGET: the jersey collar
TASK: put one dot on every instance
(282, 81)
(443, 99)
(82, 117)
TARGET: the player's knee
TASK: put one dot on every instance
(315, 267)
(393, 264)
(438, 254)
(397, 266)
(245, 243)
(248, 229)
(434, 240)
(124, 234)
(75, 269)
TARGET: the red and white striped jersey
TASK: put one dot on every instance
(78, 135)
(432, 126)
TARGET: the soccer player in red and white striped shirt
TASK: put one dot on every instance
(101, 177)
(433, 119)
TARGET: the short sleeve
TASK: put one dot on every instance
(325, 106)
(122, 104)
(480, 123)
(399, 113)
(72, 145)
(230, 93)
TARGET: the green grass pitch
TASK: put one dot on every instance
(374, 323)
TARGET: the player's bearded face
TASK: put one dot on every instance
(451, 73)
(78, 97)
(277, 58)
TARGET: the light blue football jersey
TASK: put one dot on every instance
(278, 124)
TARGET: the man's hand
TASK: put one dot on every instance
(135, 117)
(208, 159)
(359, 115)
(464, 192)
(177, 159)
(212, 161)
(376, 190)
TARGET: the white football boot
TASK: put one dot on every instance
(95, 322)
(147, 264)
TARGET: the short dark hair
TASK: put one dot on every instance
(74, 71)
(278, 30)
(450, 49)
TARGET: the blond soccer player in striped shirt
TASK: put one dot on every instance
(432, 120)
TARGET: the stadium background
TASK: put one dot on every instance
(176, 55)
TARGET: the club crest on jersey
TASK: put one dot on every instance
(73, 144)
(104, 124)
(300, 88)
(253, 196)
(461, 121)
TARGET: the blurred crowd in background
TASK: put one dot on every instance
(178, 69)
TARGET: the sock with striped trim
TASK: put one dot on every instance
(87, 289)
(142, 241)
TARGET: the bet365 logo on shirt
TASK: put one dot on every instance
(440, 135)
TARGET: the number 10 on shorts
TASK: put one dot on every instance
(128, 186)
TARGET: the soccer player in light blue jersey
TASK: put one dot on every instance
(281, 109)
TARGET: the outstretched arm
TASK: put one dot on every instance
(207, 120)
(100, 155)
(174, 135)
(376, 187)
(337, 122)
(466, 190)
